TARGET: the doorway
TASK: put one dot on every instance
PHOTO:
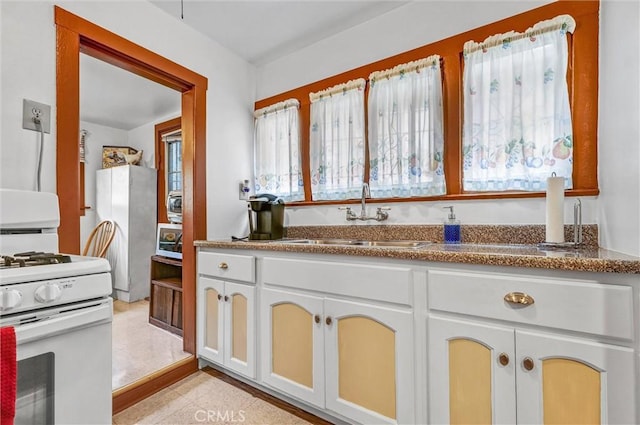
(76, 35)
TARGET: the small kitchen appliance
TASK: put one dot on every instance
(174, 206)
(169, 240)
(266, 217)
(60, 309)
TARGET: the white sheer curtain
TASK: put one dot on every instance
(337, 141)
(517, 121)
(277, 151)
(406, 140)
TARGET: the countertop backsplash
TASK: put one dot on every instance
(471, 233)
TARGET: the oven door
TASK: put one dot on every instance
(64, 365)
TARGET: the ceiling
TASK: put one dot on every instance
(258, 31)
(262, 31)
(113, 97)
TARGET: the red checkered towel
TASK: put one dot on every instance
(8, 375)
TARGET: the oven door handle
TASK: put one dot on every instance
(65, 322)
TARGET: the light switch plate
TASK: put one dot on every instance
(30, 109)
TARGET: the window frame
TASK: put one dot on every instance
(582, 79)
(160, 130)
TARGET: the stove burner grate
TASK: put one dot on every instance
(33, 258)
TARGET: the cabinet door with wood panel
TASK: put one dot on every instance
(471, 372)
(211, 315)
(566, 380)
(369, 357)
(293, 344)
(482, 373)
(227, 319)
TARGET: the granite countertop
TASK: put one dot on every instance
(484, 246)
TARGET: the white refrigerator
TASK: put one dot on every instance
(127, 195)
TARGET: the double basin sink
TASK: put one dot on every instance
(413, 244)
(359, 242)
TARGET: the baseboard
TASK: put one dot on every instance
(137, 391)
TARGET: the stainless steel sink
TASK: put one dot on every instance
(358, 242)
(395, 244)
(322, 241)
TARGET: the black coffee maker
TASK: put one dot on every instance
(266, 217)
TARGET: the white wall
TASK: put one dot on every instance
(619, 131)
(27, 55)
(616, 210)
(144, 138)
(404, 28)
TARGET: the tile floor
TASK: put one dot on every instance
(205, 399)
(138, 347)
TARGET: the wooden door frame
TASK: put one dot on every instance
(75, 35)
(160, 129)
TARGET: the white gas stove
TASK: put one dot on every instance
(27, 284)
(60, 309)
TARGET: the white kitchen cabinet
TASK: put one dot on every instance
(354, 358)
(369, 340)
(292, 344)
(369, 362)
(226, 324)
(481, 372)
(226, 311)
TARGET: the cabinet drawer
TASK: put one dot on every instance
(381, 283)
(227, 266)
(580, 306)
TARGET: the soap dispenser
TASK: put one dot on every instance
(451, 228)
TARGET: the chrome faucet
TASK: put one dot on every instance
(366, 193)
(381, 212)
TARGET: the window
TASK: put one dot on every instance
(174, 162)
(277, 151)
(517, 121)
(406, 138)
(337, 141)
(575, 142)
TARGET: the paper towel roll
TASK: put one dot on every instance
(555, 210)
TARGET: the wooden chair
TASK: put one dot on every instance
(100, 239)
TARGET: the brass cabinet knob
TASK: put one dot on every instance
(219, 297)
(316, 318)
(328, 321)
(503, 358)
(226, 298)
(223, 266)
(527, 363)
(519, 298)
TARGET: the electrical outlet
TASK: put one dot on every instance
(32, 110)
(244, 190)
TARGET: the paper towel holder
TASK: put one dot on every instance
(577, 231)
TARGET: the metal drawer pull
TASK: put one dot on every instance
(329, 321)
(503, 358)
(317, 318)
(223, 266)
(219, 297)
(519, 298)
(226, 298)
(527, 363)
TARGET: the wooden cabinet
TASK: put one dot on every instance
(481, 372)
(226, 312)
(165, 304)
(354, 358)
